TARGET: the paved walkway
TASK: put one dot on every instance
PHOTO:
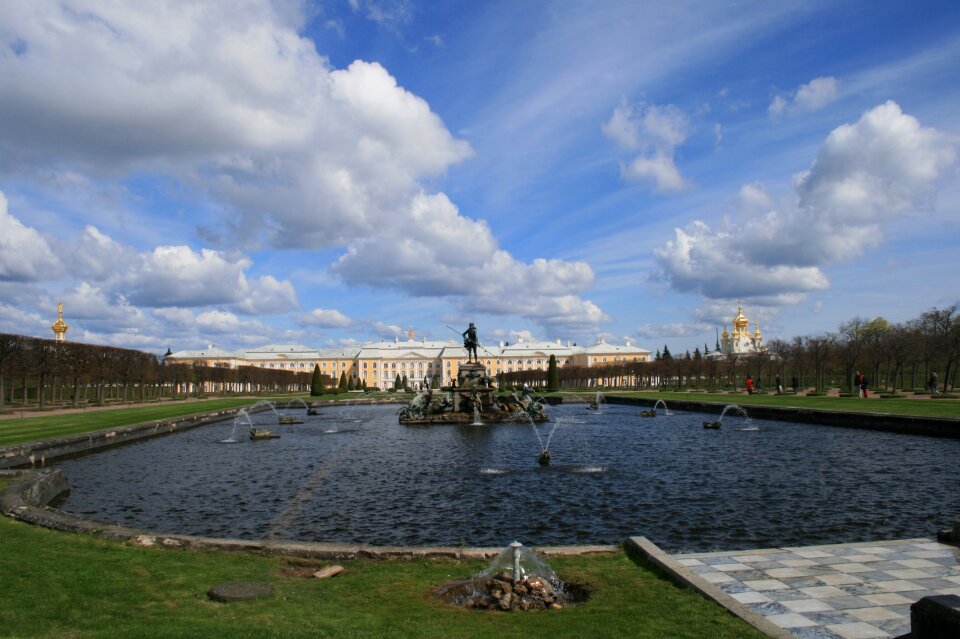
(844, 591)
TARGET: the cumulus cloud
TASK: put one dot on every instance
(25, 254)
(653, 132)
(325, 318)
(866, 174)
(230, 101)
(446, 254)
(809, 97)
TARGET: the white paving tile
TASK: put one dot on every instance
(916, 563)
(857, 630)
(810, 554)
(887, 599)
(729, 567)
(822, 592)
(717, 577)
(862, 558)
(791, 620)
(897, 585)
(766, 584)
(806, 605)
(798, 563)
(909, 573)
(841, 579)
(750, 597)
(876, 613)
(689, 562)
(780, 573)
(852, 567)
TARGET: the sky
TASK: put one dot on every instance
(329, 173)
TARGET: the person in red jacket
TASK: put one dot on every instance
(749, 384)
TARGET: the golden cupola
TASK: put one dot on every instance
(60, 327)
(756, 333)
(741, 325)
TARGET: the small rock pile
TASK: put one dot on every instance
(533, 593)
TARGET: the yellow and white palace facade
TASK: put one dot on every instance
(379, 363)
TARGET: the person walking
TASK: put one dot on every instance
(863, 386)
(779, 386)
(932, 383)
(858, 383)
(749, 385)
(794, 382)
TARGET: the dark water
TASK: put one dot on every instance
(613, 474)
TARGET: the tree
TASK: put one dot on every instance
(350, 384)
(342, 385)
(316, 382)
(553, 375)
(405, 382)
(666, 353)
(397, 383)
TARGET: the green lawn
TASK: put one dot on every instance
(66, 585)
(28, 429)
(919, 407)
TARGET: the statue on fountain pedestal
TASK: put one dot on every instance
(470, 342)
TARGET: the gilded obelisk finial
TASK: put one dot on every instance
(60, 327)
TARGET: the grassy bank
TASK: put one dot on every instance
(64, 585)
(29, 429)
(919, 407)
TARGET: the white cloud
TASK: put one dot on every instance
(867, 173)
(654, 132)
(232, 103)
(809, 97)
(325, 318)
(25, 254)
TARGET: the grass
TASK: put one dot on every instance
(29, 429)
(891, 406)
(65, 585)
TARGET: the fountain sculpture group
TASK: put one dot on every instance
(471, 399)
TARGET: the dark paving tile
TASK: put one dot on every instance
(849, 601)
(769, 608)
(875, 576)
(934, 583)
(830, 617)
(895, 627)
(748, 575)
(801, 582)
(733, 586)
(813, 632)
(861, 589)
(786, 595)
(713, 561)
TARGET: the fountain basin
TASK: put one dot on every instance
(373, 481)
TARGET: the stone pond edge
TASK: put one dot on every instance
(27, 499)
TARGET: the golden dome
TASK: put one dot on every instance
(740, 322)
(59, 327)
(410, 335)
(725, 334)
(756, 333)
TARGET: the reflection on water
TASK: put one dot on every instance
(612, 475)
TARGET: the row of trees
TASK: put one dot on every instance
(41, 371)
(892, 356)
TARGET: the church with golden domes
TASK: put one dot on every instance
(741, 340)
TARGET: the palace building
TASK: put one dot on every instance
(379, 363)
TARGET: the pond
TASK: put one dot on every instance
(353, 474)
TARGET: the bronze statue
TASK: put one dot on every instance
(470, 342)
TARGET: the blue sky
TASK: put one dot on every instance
(324, 173)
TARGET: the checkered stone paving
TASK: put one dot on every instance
(845, 591)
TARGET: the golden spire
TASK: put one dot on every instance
(410, 335)
(756, 334)
(725, 334)
(59, 327)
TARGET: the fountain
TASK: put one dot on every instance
(517, 579)
(242, 416)
(597, 400)
(715, 424)
(470, 400)
(665, 409)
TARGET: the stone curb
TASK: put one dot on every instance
(37, 454)
(679, 574)
(27, 499)
(905, 424)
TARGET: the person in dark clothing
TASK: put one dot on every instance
(932, 383)
(794, 382)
